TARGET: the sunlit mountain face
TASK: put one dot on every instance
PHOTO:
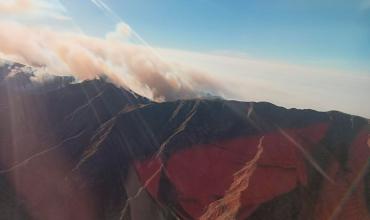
(115, 110)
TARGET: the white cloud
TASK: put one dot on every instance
(184, 74)
(123, 32)
(16, 6)
(33, 9)
(281, 83)
(88, 57)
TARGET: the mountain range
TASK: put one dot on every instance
(90, 150)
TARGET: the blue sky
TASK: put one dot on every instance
(322, 33)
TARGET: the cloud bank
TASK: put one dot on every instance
(16, 6)
(34, 8)
(85, 57)
(284, 84)
(183, 74)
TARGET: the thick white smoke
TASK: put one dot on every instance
(86, 57)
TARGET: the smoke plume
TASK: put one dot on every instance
(85, 57)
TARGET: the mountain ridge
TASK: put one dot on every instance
(90, 150)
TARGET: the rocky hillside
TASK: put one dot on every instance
(89, 150)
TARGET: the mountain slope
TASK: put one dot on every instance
(89, 150)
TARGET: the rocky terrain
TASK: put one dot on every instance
(90, 150)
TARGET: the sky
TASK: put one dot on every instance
(325, 32)
(294, 53)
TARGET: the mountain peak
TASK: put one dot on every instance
(90, 150)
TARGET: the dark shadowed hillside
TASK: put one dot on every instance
(89, 150)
